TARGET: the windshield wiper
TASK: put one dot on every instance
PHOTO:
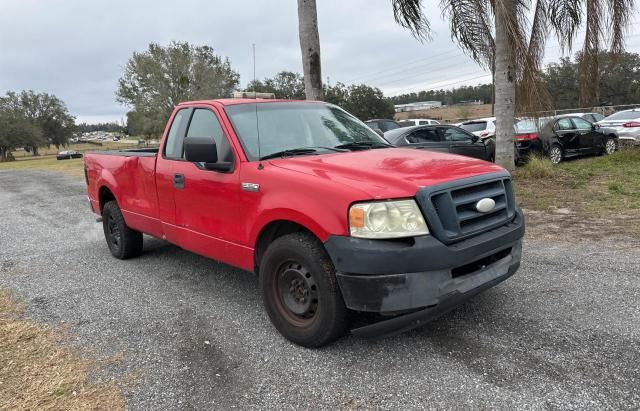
(289, 152)
(300, 151)
(363, 145)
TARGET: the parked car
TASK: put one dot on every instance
(116, 138)
(624, 124)
(329, 216)
(383, 125)
(443, 138)
(417, 122)
(563, 137)
(67, 155)
(482, 127)
(526, 139)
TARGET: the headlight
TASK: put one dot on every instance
(386, 219)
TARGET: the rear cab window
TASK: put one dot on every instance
(173, 145)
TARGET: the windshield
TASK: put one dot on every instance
(475, 126)
(287, 126)
(624, 115)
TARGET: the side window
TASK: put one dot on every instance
(423, 122)
(564, 124)
(581, 124)
(173, 145)
(204, 123)
(453, 134)
(426, 135)
(597, 116)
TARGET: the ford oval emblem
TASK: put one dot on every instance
(485, 205)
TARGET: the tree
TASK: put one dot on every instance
(148, 125)
(16, 130)
(286, 85)
(310, 48)
(156, 80)
(367, 102)
(517, 53)
(45, 111)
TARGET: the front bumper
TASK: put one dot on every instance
(398, 276)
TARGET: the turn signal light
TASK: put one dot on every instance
(356, 217)
(631, 124)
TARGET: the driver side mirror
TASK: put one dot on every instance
(595, 127)
(474, 139)
(204, 150)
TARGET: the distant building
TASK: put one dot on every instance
(469, 103)
(420, 105)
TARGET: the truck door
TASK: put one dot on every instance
(167, 155)
(208, 202)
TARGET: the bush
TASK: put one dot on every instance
(537, 166)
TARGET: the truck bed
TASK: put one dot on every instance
(133, 152)
(130, 176)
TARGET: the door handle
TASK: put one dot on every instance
(178, 181)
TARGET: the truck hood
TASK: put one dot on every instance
(388, 173)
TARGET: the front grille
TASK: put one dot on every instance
(451, 212)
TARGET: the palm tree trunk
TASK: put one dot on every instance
(505, 88)
(310, 48)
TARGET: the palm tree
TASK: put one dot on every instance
(499, 32)
(310, 48)
(615, 15)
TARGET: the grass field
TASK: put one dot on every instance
(80, 147)
(591, 186)
(37, 372)
(47, 160)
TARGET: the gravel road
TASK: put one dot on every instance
(563, 333)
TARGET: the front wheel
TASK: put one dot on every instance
(300, 291)
(123, 242)
(610, 146)
(555, 154)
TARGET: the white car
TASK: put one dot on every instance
(417, 122)
(482, 127)
(625, 124)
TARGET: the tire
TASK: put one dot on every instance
(123, 242)
(300, 291)
(610, 146)
(555, 154)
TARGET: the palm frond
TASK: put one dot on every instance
(620, 15)
(471, 23)
(409, 15)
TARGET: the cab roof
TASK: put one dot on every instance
(235, 101)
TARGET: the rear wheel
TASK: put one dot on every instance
(556, 154)
(123, 242)
(300, 291)
(610, 146)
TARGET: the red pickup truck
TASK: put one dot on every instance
(333, 219)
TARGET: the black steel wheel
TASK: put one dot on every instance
(123, 242)
(300, 291)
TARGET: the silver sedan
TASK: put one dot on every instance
(625, 124)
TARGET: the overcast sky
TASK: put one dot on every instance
(77, 49)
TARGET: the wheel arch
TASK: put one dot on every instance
(273, 230)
